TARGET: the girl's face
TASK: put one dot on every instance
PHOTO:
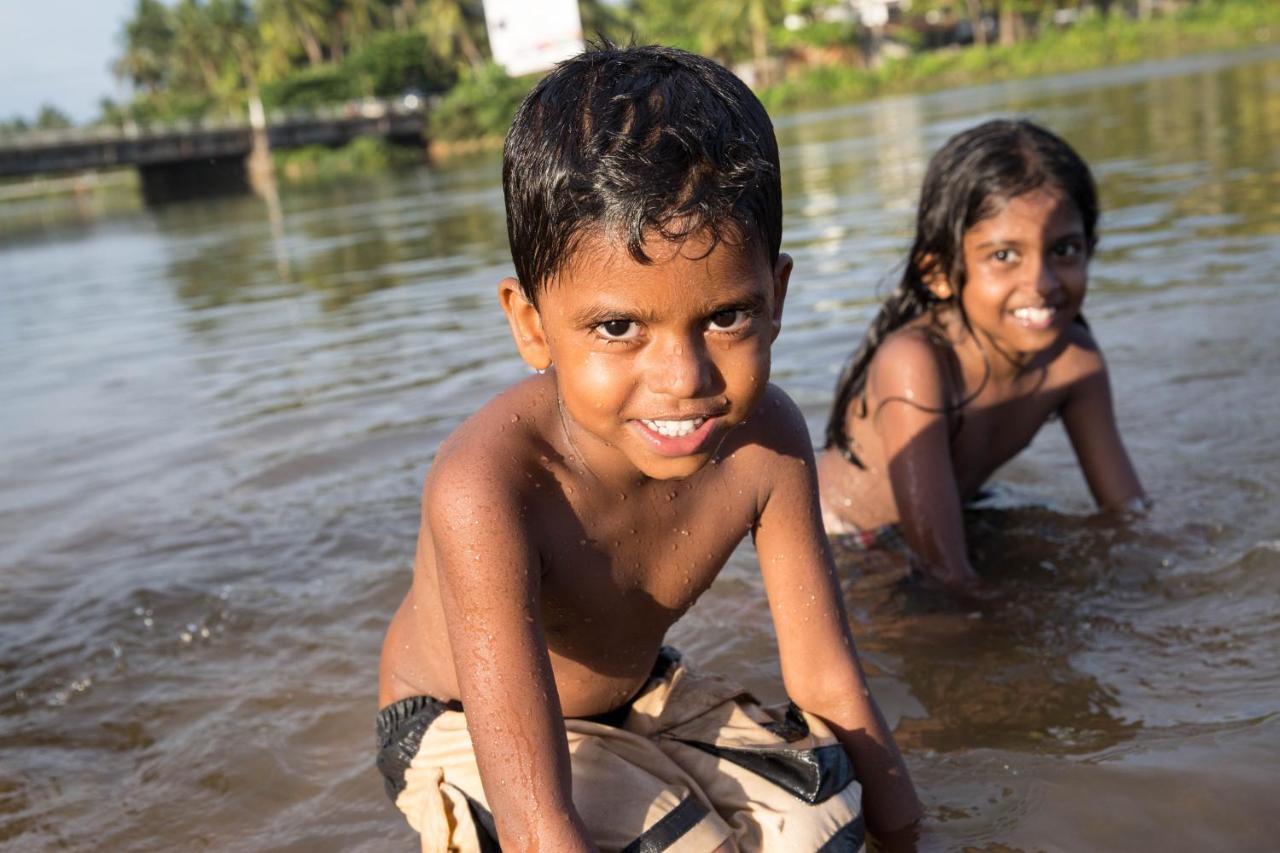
(1026, 273)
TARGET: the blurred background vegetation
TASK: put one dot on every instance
(200, 59)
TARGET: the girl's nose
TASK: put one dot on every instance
(678, 368)
(1045, 277)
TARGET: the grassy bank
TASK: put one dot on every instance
(1095, 42)
(475, 114)
(364, 156)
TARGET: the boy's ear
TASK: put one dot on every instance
(934, 278)
(526, 325)
(781, 276)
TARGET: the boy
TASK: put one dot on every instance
(575, 517)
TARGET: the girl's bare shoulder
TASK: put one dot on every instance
(1078, 358)
(910, 364)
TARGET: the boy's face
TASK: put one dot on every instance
(654, 364)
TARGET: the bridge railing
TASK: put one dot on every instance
(363, 109)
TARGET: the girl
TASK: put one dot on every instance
(980, 344)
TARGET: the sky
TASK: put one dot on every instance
(59, 52)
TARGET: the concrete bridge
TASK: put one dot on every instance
(194, 159)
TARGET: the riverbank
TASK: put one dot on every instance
(1093, 43)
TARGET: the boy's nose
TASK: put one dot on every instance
(678, 368)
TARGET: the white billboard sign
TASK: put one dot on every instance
(532, 35)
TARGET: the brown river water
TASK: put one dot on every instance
(216, 419)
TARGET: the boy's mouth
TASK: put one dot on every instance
(676, 437)
(674, 429)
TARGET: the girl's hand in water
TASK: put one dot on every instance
(964, 586)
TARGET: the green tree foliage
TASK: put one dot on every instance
(197, 56)
(52, 118)
(602, 20)
(187, 58)
(388, 63)
(480, 105)
(727, 30)
(148, 46)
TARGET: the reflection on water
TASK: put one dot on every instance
(218, 416)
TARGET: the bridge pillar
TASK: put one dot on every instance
(183, 180)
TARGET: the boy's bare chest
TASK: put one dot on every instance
(647, 556)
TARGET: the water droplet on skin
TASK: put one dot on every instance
(622, 496)
(582, 542)
(515, 419)
(684, 533)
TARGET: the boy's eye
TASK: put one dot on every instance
(729, 320)
(618, 330)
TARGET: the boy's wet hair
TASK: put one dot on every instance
(970, 179)
(631, 142)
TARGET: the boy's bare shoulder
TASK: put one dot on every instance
(492, 456)
(774, 444)
(778, 426)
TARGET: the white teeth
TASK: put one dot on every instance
(674, 429)
(1034, 316)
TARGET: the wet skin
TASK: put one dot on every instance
(574, 518)
(1022, 360)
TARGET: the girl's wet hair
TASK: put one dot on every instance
(970, 179)
(633, 142)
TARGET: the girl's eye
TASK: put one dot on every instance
(1004, 256)
(1069, 249)
(729, 321)
(618, 330)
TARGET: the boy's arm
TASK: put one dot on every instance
(820, 667)
(1090, 420)
(909, 382)
(488, 575)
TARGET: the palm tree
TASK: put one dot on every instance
(290, 24)
(148, 46)
(450, 27)
(195, 51)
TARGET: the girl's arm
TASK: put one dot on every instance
(909, 384)
(1090, 420)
